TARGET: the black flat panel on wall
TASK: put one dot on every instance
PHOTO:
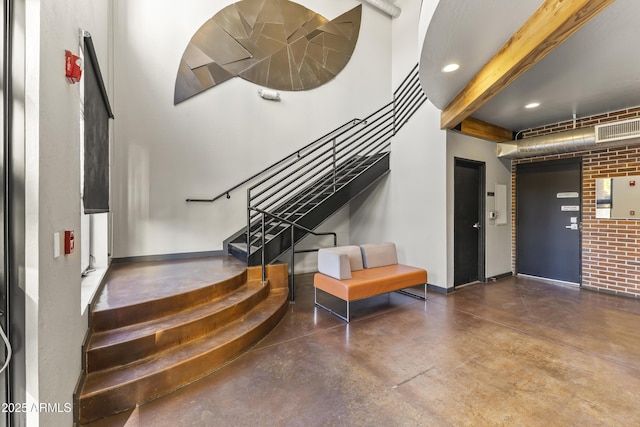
(97, 113)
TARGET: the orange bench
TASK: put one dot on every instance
(352, 273)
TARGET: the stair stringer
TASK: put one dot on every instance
(311, 219)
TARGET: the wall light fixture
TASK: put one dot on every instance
(269, 94)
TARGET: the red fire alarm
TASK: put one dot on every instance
(73, 67)
(632, 183)
(68, 242)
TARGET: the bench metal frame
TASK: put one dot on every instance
(347, 318)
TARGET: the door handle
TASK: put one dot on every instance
(476, 225)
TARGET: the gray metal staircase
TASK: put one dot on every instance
(290, 198)
(307, 208)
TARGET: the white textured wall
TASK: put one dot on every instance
(55, 326)
(199, 148)
(409, 206)
(498, 171)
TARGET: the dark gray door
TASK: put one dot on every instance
(548, 217)
(468, 222)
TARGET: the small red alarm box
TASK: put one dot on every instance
(73, 67)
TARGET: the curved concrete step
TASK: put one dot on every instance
(120, 346)
(103, 319)
(108, 392)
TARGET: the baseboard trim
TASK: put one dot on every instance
(167, 257)
(609, 292)
(439, 289)
(499, 276)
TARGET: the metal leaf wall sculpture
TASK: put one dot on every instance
(277, 44)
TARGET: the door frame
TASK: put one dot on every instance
(482, 188)
(13, 29)
(570, 160)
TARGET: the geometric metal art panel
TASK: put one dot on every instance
(277, 44)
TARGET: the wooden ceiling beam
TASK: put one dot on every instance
(484, 130)
(550, 25)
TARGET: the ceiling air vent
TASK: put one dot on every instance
(618, 131)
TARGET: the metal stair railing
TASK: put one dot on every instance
(408, 98)
(317, 170)
(280, 163)
(293, 246)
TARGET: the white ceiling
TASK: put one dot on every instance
(596, 70)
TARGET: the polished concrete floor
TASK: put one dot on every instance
(517, 352)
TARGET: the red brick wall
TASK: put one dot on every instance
(610, 248)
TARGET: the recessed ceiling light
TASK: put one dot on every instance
(449, 68)
(532, 105)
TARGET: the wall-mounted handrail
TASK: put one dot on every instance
(293, 245)
(406, 85)
(282, 193)
(296, 153)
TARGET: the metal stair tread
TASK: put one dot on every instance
(267, 236)
(309, 204)
(174, 357)
(192, 314)
(243, 246)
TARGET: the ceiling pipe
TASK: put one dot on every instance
(388, 8)
(558, 143)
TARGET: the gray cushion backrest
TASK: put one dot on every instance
(379, 254)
